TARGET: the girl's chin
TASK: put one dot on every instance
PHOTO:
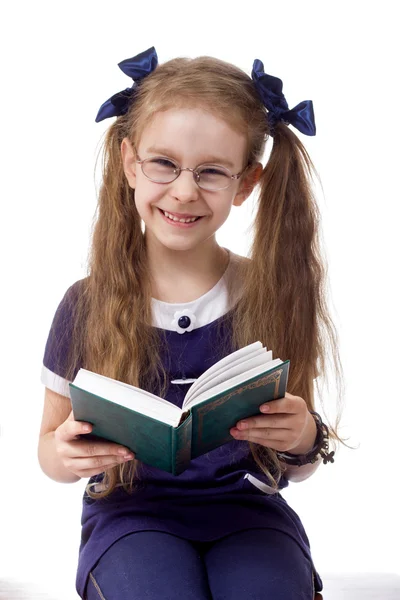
(172, 243)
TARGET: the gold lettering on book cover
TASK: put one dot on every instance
(274, 377)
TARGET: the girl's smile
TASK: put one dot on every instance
(180, 219)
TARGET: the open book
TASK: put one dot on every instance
(166, 436)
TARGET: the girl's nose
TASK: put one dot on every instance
(184, 188)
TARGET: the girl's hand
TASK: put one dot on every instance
(286, 426)
(86, 458)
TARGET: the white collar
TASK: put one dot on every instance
(202, 311)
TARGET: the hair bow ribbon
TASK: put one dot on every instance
(270, 90)
(268, 87)
(137, 67)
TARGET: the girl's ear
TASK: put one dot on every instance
(248, 183)
(128, 162)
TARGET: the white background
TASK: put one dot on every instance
(58, 65)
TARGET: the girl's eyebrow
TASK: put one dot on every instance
(210, 159)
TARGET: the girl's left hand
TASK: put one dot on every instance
(285, 425)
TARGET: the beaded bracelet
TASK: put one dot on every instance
(320, 447)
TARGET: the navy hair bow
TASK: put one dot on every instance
(268, 87)
(270, 90)
(137, 67)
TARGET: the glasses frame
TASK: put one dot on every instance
(195, 173)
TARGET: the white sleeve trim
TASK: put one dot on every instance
(55, 382)
(259, 484)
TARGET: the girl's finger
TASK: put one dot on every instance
(263, 421)
(288, 404)
(70, 429)
(265, 435)
(87, 448)
(77, 465)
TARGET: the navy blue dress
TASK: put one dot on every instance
(222, 492)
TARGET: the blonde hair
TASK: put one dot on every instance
(283, 303)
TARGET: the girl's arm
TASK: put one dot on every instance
(64, 453)
(55, 411)
(296, 474)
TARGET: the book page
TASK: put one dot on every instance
(238, 355)
(128, 396)
(216, 369)
(234, 381)
(257, 358)
(127, 385)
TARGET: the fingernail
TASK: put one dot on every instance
(264, 408)
(243, 425)
(86, 428)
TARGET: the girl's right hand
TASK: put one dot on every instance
(86, 458)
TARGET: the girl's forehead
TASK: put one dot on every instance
(192, 128)
(190, 115)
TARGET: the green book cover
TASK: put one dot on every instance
(213, 418)
(202, 428)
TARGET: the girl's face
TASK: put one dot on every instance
(190, 137)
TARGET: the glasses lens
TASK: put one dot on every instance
(214, 178)
(159, 169)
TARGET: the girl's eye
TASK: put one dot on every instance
(212, 171)
(164, 162)
(160, 169)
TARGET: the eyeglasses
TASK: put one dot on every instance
(208, 177)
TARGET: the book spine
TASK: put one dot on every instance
(182, 445)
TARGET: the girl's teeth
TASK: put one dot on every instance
(180, 220)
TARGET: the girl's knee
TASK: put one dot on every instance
(261, 565)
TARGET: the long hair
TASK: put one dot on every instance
(283, 302)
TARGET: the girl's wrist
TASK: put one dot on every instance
(320, 448)
(309, 437)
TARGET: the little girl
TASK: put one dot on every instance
(162, 302)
